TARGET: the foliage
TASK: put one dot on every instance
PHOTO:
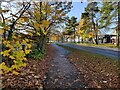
(14, 52)
(36, 54)
(71, 26)
(36, 20)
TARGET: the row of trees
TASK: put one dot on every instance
(27, 24)
(104, 17)
(96, 17)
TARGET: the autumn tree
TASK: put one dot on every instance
(34, 19)
(109, 18)
(13, 54)
(44, 16)
(90, 11)
(71, 26)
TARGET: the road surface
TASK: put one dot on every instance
(105, 52)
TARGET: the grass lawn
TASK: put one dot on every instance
(109, 45)
(99, 71)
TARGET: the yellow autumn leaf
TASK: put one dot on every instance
(15, 66)
(43, 11)
(27, 51)
(38, 33)
(42, 27)
(14, 72)
(54, 17)
(44, 32)
(11, 57)
(6, 27)
(5, 68)
(19, 36)
(36, 25)
(1, 31)
(26, 40)
(25, 59)
(6, 42)
(5, 53)
(14, 37)
(1, 53)
(37, 14)
(24, 64)
(25, 19)
(48, 10)
(45, 23)
(8, 45)
(17, 43)
(14, 62)
(30, 34)
(28, 45)
(2, 64)
(1, 72)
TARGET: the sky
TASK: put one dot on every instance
(77, 10)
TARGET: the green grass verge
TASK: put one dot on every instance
(109, 45)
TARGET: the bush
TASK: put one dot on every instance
(36, 54)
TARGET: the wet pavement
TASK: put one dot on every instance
(63, 74)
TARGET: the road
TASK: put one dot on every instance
(105, 52)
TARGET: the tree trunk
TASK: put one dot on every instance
(78, 39)
(118, 34)
(96, 40)
(74, 36)
(10, 34)
(82, 40)
(41, 42)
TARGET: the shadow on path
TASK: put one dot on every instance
(62, 73)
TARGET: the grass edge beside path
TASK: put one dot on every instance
(99, 71)
(105, 45)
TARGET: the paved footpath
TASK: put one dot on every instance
(62, 73)
(103, 51)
